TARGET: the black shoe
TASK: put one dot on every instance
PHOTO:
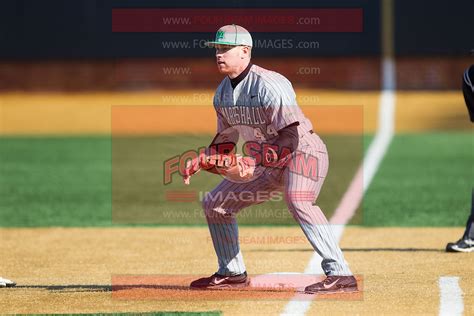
(217, 281)
(333, 284)
(6, 283)
(462, 245)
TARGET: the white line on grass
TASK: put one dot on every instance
(450, 297)
(359, 184)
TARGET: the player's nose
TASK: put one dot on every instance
(220, 51)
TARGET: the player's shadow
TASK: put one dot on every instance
(69, 287)
(392, 249)
(354, 250)
(100, 288)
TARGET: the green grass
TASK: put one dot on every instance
(96, 181)
(424, 180)
(54, 181)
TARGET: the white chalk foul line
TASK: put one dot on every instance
(362, 179)
(450, 296)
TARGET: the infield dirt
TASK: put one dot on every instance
(61, 270)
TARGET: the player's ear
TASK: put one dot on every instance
(245, 52)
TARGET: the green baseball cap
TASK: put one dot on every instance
(232, 35)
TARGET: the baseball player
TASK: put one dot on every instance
(251, 98)
(6, 283)
(466, 243)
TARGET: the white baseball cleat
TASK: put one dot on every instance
(6, 283)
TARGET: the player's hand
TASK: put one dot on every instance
(234, 167)
(192, 167)
(231, 166)
(246, 167)
(208, 163)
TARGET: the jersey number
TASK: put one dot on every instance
(257, 132)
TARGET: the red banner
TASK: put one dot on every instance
(254, 20)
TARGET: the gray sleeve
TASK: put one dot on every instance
(222, 123)
(279, 100)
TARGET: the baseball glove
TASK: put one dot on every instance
(231, 166)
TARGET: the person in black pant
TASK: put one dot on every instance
(466, 243)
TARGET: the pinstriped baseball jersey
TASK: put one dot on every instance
(264, 100)
(259, 103)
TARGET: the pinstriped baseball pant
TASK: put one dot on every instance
(300, 187)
